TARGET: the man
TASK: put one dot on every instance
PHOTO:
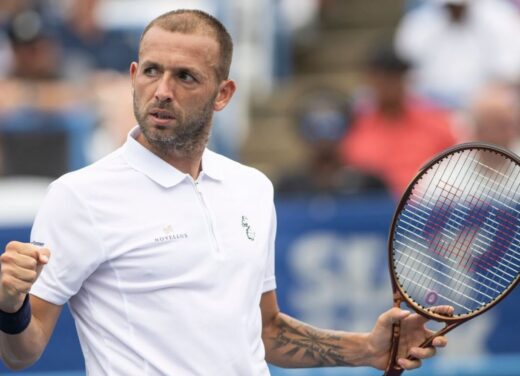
(394, 132)
(165, 250)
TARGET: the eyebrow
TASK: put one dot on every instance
(189, 69)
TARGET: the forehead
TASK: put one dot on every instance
(166, 47)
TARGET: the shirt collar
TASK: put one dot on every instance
(148, 163)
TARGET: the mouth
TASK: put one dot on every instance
(162, 117)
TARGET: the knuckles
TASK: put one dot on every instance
(6, 257)
(10, 257)
(12, 245)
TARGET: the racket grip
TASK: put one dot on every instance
(392, 369)
(394, 372)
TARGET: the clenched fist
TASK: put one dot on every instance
(20, 266)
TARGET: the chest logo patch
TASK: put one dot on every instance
(168, 234)
(249, 231)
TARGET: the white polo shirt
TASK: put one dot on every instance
(163, 274)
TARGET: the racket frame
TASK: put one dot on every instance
(400, 296)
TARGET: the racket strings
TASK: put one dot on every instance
(456, 238)
(489, 229)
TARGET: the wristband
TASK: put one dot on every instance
(16, 322)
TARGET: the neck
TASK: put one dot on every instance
(392, 109)
(188, 162)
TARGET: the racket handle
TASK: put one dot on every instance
(394, 372)
(392, 369)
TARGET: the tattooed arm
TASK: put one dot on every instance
(293, 344)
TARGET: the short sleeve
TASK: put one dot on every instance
(64, 224)
(269, 277)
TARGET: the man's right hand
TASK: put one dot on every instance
(20, 266)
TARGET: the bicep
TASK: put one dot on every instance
(270, 314)
(45, 315)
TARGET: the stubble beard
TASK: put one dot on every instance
(188, 138)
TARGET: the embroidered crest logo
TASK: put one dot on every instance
(249, 231)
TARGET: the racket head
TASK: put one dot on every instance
(457, 228)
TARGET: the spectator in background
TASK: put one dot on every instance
(36, 52)
(322, 118)
(494, 116)
(456, 46)
(43, 123)
(393, 134)
(88, 46)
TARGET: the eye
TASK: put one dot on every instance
(186, 76)
(151, 71)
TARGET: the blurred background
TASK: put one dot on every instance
(339, 102)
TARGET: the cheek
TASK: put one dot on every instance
(143, 91)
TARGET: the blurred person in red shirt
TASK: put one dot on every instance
(393, 134)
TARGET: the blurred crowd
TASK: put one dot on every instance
(65, 99)
(65, 94)
(450, 74)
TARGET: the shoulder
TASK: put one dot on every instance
(98, 173)
(239, 173)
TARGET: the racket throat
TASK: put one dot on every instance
(397, 299)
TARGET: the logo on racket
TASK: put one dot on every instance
(431, 297)
(249, 231)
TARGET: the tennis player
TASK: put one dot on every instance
(164, 250)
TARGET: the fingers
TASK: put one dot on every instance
(444, 310)
(40, 254)
(409, 363)
(44, 255)
(422, 353)
(20, 266)
(417, 354)
(14, 286)
(440, 341)
(392, 316)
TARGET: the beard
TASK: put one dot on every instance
(189, 136)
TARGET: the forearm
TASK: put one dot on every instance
(291, 343)
(22, 350)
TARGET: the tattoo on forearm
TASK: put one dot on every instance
(318, 348)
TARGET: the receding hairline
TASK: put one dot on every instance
(187, 21)
(197, 22)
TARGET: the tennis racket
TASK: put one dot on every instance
(455, 238)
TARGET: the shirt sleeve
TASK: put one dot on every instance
(64, 224)
(269, 277)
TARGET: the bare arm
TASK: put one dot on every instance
(20, 266)
(22, 350)
(292, 344)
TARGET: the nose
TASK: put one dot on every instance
(164, 90)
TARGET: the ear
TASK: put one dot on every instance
(133, 71)
(226, 90)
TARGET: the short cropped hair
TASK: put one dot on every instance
(192, 21)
